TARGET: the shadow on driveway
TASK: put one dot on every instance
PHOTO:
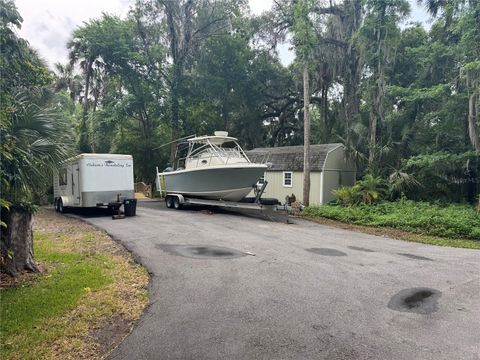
(275, 216)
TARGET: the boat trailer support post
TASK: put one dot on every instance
(260, 192)
(157, 182)
(160, 182)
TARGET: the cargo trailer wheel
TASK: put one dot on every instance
(61, 208)
(169, 202)
(176, 203)
(55, 204)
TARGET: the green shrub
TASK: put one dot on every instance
(347, 195)
(372, 188)
(452, 221)
(369, 190)
(444, 175)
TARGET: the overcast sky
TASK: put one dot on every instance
(48, 24)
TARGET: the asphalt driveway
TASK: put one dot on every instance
(234, 287)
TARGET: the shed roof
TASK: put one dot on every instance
(290, 158)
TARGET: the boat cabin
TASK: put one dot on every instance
(210, 151)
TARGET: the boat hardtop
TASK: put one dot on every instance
(214, 139)
(209, 150)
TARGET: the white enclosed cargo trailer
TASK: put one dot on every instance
(91, 180)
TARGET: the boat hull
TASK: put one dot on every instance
(225, 183)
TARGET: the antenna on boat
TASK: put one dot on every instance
(177, 140)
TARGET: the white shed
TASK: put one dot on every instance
(329, 166)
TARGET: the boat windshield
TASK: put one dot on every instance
(226, 150)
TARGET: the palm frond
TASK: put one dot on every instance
(38, 140)
(401, 181)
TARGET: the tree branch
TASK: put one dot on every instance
(333, 10)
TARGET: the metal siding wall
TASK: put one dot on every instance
(348, 178)
(275, 188)
(315, 179)
(336, 160)
(336, 169)
(330, 181)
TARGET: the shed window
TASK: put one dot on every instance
(287, 179)
(62, 177)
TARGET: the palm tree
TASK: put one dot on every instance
(85, 54)
(372, 188)
(433, 6)
(33, 139)
(448, 8)
(66, 79)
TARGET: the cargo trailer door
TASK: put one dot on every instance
(76, 184)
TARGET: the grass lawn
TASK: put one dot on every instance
(452, 225)
(88, 283)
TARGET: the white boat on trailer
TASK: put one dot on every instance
(215, 172)
(215, 167)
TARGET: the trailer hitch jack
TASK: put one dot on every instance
(117, 205)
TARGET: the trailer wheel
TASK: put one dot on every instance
(169, 202)
(55, 205)
(176, 203)
(61, 208)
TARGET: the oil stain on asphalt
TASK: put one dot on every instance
(201, 252)
(420, 300)
(415, 257)
(360, 249)
(327, 252)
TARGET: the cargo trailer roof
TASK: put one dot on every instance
(101, 156)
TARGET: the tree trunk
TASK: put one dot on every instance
(377, 113)
(324, 113)
(351, 22)
(175, 113)
(379, 87)
(17, 242)
(88, 76)
(224, 109)
(472, 121)
(83, 144)
(306, 137)
(328, 123)
(373, 137)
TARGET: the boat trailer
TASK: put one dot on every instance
(257, 203)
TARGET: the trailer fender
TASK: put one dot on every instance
(60, 204)
(181, 199)
(65, 201)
